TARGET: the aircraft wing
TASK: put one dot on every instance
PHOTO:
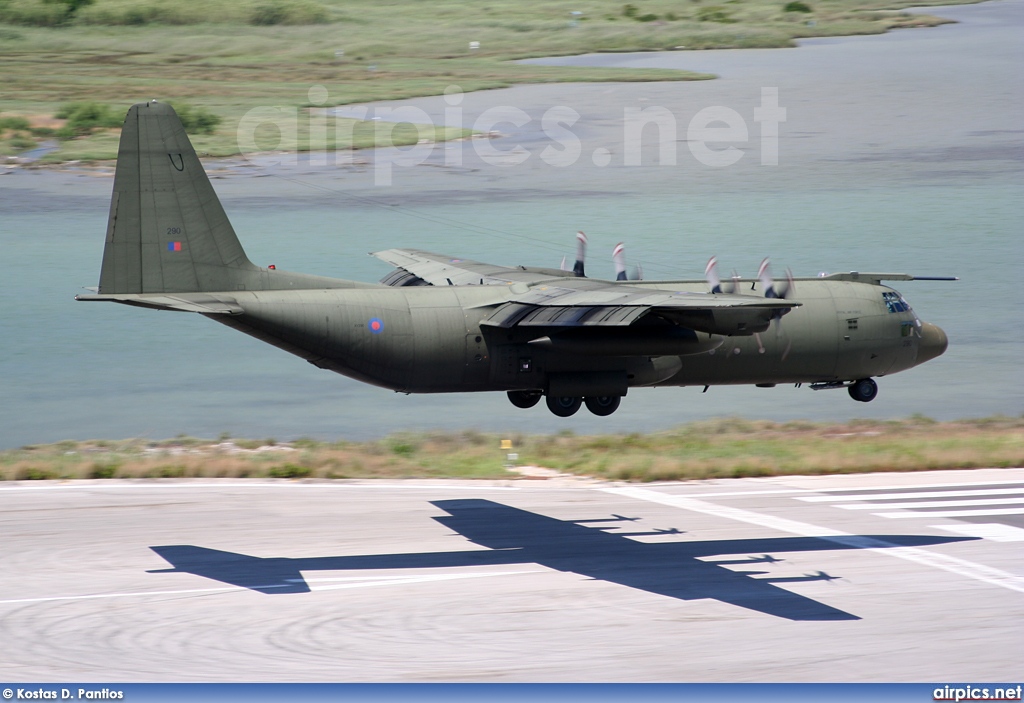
(579, 302)
(441, 270)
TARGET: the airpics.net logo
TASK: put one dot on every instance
(977, 693)
(714, 135)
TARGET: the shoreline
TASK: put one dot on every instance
(16, 162)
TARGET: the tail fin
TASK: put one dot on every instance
(167, 231)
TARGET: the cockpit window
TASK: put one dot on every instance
(895, 302)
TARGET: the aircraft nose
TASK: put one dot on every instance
(933, 342)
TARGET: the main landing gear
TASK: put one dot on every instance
(566, 405)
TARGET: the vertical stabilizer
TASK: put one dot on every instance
(167, 231)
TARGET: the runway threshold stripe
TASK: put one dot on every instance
(995, 531)
(933, 504)
(916, 494)
(961, 567)
(900, 487)
(956, 513)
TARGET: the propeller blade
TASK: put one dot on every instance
(638, 273)
(715, 283)
(786, 288)
(772, 289)
(562, 266)
(767, 282)
(711, 274)
(581, 254)
(619, 258)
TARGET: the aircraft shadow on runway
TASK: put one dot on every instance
(684, 570)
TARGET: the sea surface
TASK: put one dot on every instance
(900, 153)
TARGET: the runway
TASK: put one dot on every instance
(874, 577)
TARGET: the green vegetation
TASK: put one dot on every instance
(797, 6)
(225, 57)
(722, 448)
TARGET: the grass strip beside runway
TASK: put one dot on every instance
(720, 448)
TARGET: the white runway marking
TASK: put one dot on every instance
(750, 493)
(956, 513)
(933, 504)
(920, 494)
(361, 582)
(358, 582)
(903, 487)
(995, 531)
(962, 567)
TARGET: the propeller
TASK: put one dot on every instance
(715, 283)
(780, 291)
(619, 258)
(771, 289)
(581, 254)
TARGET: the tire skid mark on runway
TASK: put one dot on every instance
(355, 582)
(962, 567)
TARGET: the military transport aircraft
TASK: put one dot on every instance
(440, 325)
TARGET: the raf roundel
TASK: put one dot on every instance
(376, 325)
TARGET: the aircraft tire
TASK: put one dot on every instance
(524, 399)
(564, 405)
(603, 405)
(864, 390)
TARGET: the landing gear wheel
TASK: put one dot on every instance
(603, 405)
(564, 405)
(524, 399)
(864, 390)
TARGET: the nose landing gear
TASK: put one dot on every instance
(863, 390)
(524, 399)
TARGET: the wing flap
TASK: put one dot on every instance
(604, 304)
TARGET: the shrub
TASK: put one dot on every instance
(797, 6)
(197, 120)
(290, 471)
(288, 12)
(14, 123)
(40, 13)
(20, 141)
(714, 13)
(82, 118)
(35, 473)
(103, 471)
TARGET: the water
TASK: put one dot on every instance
(914, 169)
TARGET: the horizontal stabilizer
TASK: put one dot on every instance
(206, 304)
